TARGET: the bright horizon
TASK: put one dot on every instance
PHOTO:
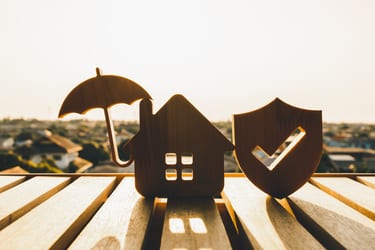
(225, 57)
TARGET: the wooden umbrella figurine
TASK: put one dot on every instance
(177, 151)
(104, 91)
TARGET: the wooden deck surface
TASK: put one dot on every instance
(104, 211)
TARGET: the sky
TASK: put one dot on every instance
(225, 57)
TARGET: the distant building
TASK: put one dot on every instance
(52, 146)
(369, 163)
(6, 143)
(342, 163)
(357, 153)
(342, 140)
(360, 156)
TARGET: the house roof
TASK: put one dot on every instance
(14, 170)
(50, 143)
(65, 143)
(178, 125)
(82, 164)
(341, 157)
(341, 150)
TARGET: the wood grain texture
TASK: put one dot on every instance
(193, 224)
(336, 225)
(7, 182)
(262, 220)
(54, 223)
(177, 131)
(20, 199)
(367, 180)
(352, 193)
(121, 223)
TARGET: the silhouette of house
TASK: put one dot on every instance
(177, 151)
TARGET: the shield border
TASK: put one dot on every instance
(268, 127)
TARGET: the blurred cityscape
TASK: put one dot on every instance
(82, 146)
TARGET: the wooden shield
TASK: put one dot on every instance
(278, 146)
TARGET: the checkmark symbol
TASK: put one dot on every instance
(271, 161)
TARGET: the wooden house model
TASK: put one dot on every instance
(177, 151)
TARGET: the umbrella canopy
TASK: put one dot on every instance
(102, 91)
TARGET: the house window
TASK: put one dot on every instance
(187, 174)
(184, 161)
(186, 158)
(171, 174)
(171, 158)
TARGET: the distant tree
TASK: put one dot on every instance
(41, 167)
(329, 134)
(325, 165)
(363, 135)
(344, 126)
(132, 127)
(72, 168)
(94, 152)
(10, 159)
(24, 135)
(60, 130)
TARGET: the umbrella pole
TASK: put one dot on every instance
(112, 142)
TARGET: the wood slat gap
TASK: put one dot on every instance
(155, 227)
(22, 198)
(261, 221)
(7, 182)
(55, 222)
(120, 223)
(193, 224)
(356, 195)
(231, 229)
(334, 224)
(367, 180)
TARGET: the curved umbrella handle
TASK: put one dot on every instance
(111, 134)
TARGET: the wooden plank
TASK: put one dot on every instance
(262, 221)
(7, 182)
(55, 222)
(367, 180)
(18, 200)
(334, 224)
(193, 224)
(121, 223)
(352, 193)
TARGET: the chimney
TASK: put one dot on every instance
(145, 114)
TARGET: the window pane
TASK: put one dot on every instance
(187, 158)
(170, 158)
(171, 174)
(187, 174)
